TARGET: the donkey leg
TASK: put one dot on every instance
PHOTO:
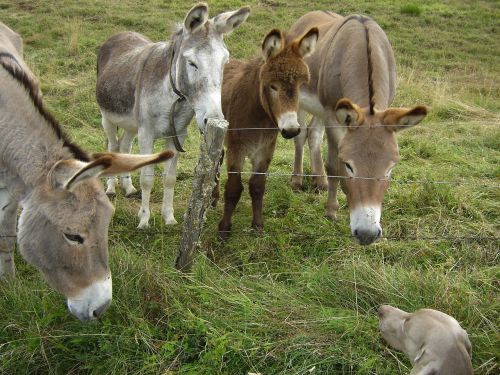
(8, 214)
(147, 178)
(169, 179)
(257, 186)
(232, 192)
(332, 203)
(299, 141)
(110, 129)
(125, 147)
(315, 134)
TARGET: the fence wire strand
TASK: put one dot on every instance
(486, 182)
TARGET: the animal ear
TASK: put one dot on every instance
(403, 118)
(123, 163)
(273, 43)
(306, 44)
(467, 344)
(196, 17)
(228, 21)
(66, 174)
(348, 113)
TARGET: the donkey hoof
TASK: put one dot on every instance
(111, 192)
(170, 220)
(223, 235)
(331, 215)
(296, 186)
(258, 228)
(320, 187)
(130, 192)
(143, 224)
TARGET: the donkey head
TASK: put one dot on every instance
(200, 58)
(63, 229)
(281, 76)
(369, 150)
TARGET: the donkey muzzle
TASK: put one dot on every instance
(92, 301)
(288, 124)
(290, 133)
(365, 224)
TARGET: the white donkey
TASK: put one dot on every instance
(155, 89)
(63, 227)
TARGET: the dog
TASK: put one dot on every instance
(434, 341)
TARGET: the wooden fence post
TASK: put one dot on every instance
(201, 195)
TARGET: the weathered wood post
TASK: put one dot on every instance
(201, 195)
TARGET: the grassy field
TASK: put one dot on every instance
(301, 298)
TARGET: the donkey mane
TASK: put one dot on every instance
(363, 20)
(20, 76)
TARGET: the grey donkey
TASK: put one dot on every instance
(63, 226)
(155, 89)
(434, 341)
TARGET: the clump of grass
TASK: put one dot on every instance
(411, 9)
(74, 32)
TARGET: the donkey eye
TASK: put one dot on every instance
(74, 238)
(273, 87)
(349, 168)
(193, 64)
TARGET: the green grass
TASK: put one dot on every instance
(411, 9)
(300, 298)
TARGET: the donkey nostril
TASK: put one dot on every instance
(100, 310)
(205, 121)
(379, 233)
(356, 232)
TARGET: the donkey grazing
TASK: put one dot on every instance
(63, 227)
(155, 89)
(263, 94)
(353, 82)
(11, 44)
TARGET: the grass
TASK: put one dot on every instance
(300, 298)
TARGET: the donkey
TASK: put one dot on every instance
(11, 43)
(155, 89)
(261, 94)
(353, 82)
(63, 227)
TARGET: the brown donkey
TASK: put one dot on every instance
(261, 94)
(353, 82)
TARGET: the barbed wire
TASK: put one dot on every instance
(344, 236)
(302, 127)
(154, 232)
(489, 182)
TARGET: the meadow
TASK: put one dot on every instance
(300, 298)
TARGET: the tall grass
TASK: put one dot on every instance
(299, 298)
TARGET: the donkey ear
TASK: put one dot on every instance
(403, 118)
(273, 43)
(123, 163)
(306, 44)
(228, 21)
(196, 17)
(65, 174)
(348, 113)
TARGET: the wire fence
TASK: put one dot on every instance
(485, 238)
(482, 181)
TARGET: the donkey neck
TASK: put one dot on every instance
(29, 145)
(252, 85)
